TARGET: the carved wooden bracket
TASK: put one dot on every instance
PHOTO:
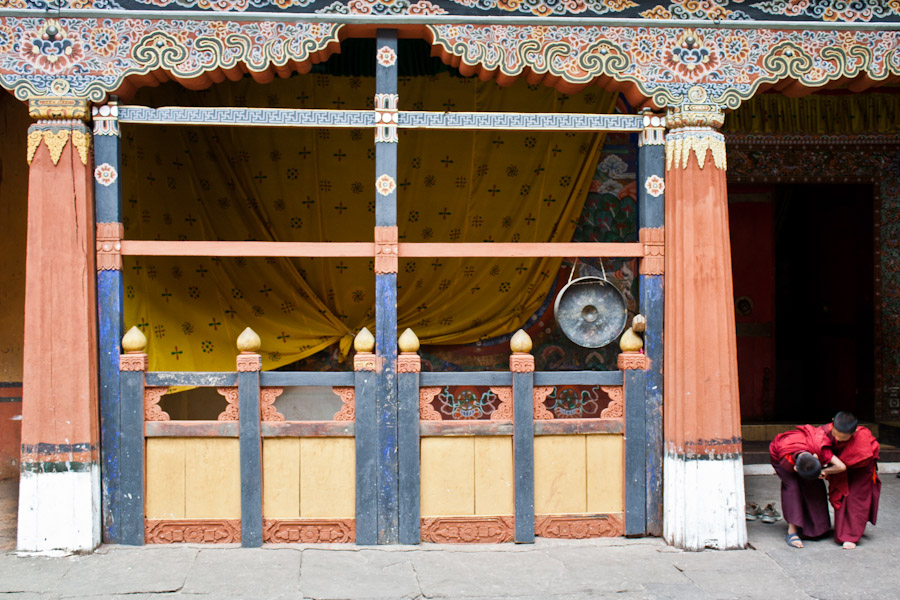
(541, 412)
(520, 362)
(152, 411)
(348, 409)
(616, 407)
(654, 241)
(468, 530)
(579, 526)
(133, 361)
(426, 410)
(231, 412)
(109, 246)
(309, 531)
(386, 250)
(504, 411)
(192, 531)
(267, 397)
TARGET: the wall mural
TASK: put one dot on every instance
(721, 10)
(92, 57)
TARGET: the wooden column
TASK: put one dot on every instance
(632, 362)
(364, 364)
(703, 471)
(130, 450)
(521, 363)
(386, 283)
(249, 364)
(409, 365)
(110, 304)
(651, 222)
(59, 489)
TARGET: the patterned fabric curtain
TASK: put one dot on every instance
(274, 184)
(817, 114)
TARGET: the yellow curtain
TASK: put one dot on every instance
(193, 183)
(817, 114)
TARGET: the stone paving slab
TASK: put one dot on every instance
(357, 574)
(123, 570)
(245, 573)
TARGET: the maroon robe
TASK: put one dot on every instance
(854, 494)
(804, 502)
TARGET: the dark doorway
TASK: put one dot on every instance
(803, 260)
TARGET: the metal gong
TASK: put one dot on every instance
(590, 311)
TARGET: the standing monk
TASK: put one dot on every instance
(854, 493)
(797, 457)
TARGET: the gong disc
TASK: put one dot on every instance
(590, 311)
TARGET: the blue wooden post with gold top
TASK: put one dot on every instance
(521, 363)
(249, 364)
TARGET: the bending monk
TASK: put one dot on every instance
(854, 494)
(798, 456)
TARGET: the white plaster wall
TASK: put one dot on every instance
(703, 503)
(59, 511)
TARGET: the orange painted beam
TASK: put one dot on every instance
(367, 249)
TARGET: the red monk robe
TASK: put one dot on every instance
(804, 502)
(854, 494)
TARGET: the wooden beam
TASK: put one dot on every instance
(238, 248)
(519, 250)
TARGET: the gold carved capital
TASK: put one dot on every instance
(55, 135)
(58, 107)
(693, 128)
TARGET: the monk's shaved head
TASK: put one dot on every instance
(808, 466)
(845, 422)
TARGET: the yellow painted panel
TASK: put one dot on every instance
(328, 478)
(281, 478)
(494, 476)
(605, 473)
(560, 478)
(448, 476)
(212, 478)
(164, 495)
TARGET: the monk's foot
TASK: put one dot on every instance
(793, 540)
(848, 546)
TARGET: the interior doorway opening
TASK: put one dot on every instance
(803, 259)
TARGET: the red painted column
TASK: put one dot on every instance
(59, 497)
(703, 495)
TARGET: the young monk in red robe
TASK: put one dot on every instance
(854, 493)
(797, 457)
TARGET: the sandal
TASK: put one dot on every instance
(752, 510)
(769, 514)
(790, 538)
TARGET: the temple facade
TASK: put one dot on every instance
(289, 267)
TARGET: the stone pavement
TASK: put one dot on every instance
(564, 570)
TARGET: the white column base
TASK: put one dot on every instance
(59, 511)
(703, 503)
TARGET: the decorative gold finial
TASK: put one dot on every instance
(639, 323)
(630, 341)
(248, 341)
(364, 341)
(520, 342)
(134, 340)
(408, 341)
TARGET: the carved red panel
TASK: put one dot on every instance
(426, 397)
(616, 407)
(468, 530)
(152, 411)
(309, 531)
(192, 531)
(231, 396)
(267, 397)
(541, 413)
(348, 409)
(504, 411)
(579, 526)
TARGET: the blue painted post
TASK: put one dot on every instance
(386, 238)
(249, 365)
(108, 194)
(635, 454)
(522, 366)
(409, 365)
(651, 216)
(130, 504)
(366, 381)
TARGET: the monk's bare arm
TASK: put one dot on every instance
(835, 466)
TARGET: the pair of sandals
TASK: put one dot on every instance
(768, 514)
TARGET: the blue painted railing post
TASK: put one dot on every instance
(366, 380)
(632, 364)
(386, 238)
(108, 216)
(249, 364)
(409, 365)
(521, 363)
(133, 364)
(651, 217)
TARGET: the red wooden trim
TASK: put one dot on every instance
(294, 249)
(579, 526)
(308, 429)
(191, 429)
(576, 426)
(517, 250)
(468, 530)
(192, 531)
(309, 531)
(438, 428)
